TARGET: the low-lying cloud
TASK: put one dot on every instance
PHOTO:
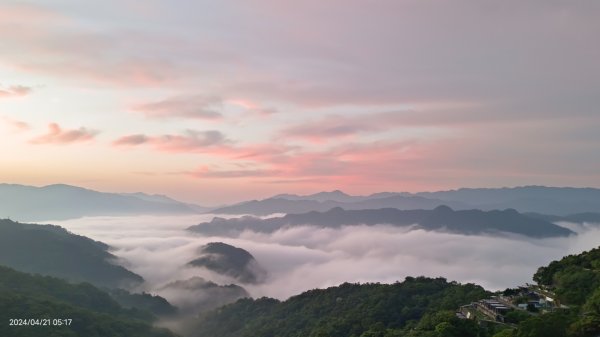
(303, 258)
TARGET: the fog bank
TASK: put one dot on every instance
(302, 258)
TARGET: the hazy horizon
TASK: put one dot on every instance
(262, 195)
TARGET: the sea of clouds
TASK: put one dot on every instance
(303, 258)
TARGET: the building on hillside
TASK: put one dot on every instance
(492, 308)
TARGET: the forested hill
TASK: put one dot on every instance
(574, 278)
(573, 281)
(52, 250)
(417, 307)
(347, 310)
(442, 218)
(229, 260)
(90, 311)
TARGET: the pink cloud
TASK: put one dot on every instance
(252, 107)
(16, 125)
(201, 107)
(19, 13)
(15, 91)
(57, 135)
(334, 126)
(450, 115)
(351, 163)
(211, 142)
(131, 140)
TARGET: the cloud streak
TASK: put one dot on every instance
(207, 172)
(14, 91)
(58, 135)
(194, 107)
(190, 141)
(16, 125)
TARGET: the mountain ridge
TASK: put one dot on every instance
(442, 218)
(52, 250)
(559, 201)
(61, 202)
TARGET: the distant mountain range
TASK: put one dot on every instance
(298, 205)
(442, 218)
(61, 202)
(560, 201)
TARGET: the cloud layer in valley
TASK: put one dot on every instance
(304, 258)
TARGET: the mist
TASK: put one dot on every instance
(302, 258)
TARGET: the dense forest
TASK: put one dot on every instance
(350, 310)
(574, 278)
(91, 311)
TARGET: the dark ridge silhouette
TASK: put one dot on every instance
(144, 301)
(229, 260)
(442, 218)
(52, 250)
(202, 295)
(537, 199)
(579, 218)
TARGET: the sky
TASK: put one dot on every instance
(220, 101)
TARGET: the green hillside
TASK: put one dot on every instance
(52, 250)
(348, 310)
(88, 311)
(573, 278)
